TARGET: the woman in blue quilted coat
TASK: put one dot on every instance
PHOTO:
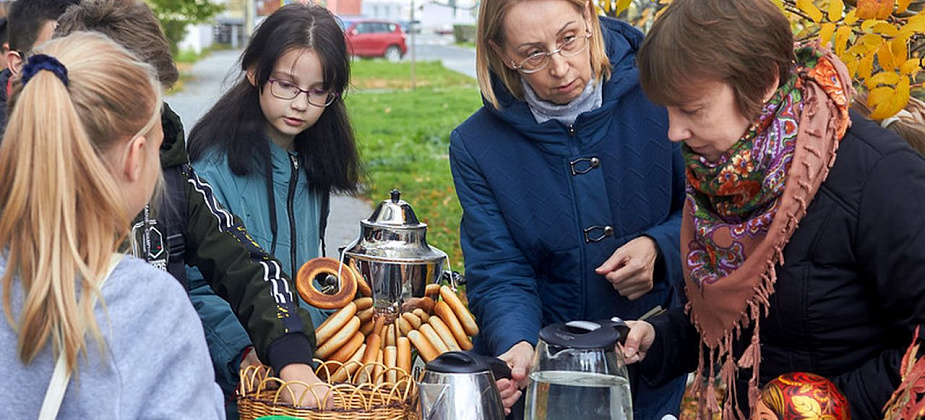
(571, 191)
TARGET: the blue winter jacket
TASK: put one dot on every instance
(537, 212)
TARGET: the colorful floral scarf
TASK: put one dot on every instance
(741, 211)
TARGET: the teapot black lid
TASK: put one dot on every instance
(457, 362)
(580, 335)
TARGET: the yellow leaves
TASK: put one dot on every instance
(916, 24)
(883, 78)
(875, 9)
(879, 27)
(836, 8)
(865, 66)
(887, 101)
(851, 17)
(825, 33)
(870, 40)
(807, 6)
(885, 57)
(841, 39)
(622, 5)
(902, 5)
(910, 67)
(900, 49)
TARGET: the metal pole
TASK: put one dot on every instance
(414, 47)
(250, 14)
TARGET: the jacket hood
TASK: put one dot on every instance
(621, 42)
(173, 149)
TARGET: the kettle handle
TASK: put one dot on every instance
(618, 324)
(499, 368)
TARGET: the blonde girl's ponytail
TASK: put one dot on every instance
(62, 214)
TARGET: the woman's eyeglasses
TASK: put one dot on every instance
(570, 46)
(289, 91)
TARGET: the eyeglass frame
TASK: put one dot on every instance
(332, 95)
(548, 54)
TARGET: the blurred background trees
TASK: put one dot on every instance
(881, 41)
(176, 15)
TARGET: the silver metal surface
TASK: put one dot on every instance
(460, 396)
(393, 256)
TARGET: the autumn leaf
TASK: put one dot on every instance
(807, 6)
(883, 78)
(893, 103)
(865, 66)
(825, 33)
(851, 17)
(841, 39)
(871, 40)
(910, 67)
(622, 5)
(869, 23)
(900, 49)
(886, 29)
(902, 5)
(878, 95)
(916, 24)
(851, 62)
(874, 9)
(836, 8)
(885, 56)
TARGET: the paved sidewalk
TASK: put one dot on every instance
(213, 75)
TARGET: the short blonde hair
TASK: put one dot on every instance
(62, 214)
(492, 14)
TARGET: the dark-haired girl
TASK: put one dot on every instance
(279, 140)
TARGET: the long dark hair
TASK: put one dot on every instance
(327, 150)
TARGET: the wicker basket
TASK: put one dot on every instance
(260, 394)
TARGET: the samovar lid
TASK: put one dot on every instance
(393, 213)
(394, 233)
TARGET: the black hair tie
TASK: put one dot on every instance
(39, 62)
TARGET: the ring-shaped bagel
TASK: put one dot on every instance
(319, 266)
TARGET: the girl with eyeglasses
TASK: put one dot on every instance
(571, 191)
(279, 141)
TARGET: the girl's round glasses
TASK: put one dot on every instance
(570, 46)
(289, 91)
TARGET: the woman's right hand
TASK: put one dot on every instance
(638, 341)
(519, 358)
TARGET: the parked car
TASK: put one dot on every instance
(375, 38)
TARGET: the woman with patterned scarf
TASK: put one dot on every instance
(803, 232)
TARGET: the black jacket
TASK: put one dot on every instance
(852, 286)
(190, 227)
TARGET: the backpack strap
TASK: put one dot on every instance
(173, 214)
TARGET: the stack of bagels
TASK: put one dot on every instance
(437, 323)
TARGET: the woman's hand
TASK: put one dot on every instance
(519, 358)
(250, 358)
(631, 267)
(305, 373)
(638, 341)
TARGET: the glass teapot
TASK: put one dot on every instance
(578, 374)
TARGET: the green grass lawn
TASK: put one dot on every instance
(404, 135)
